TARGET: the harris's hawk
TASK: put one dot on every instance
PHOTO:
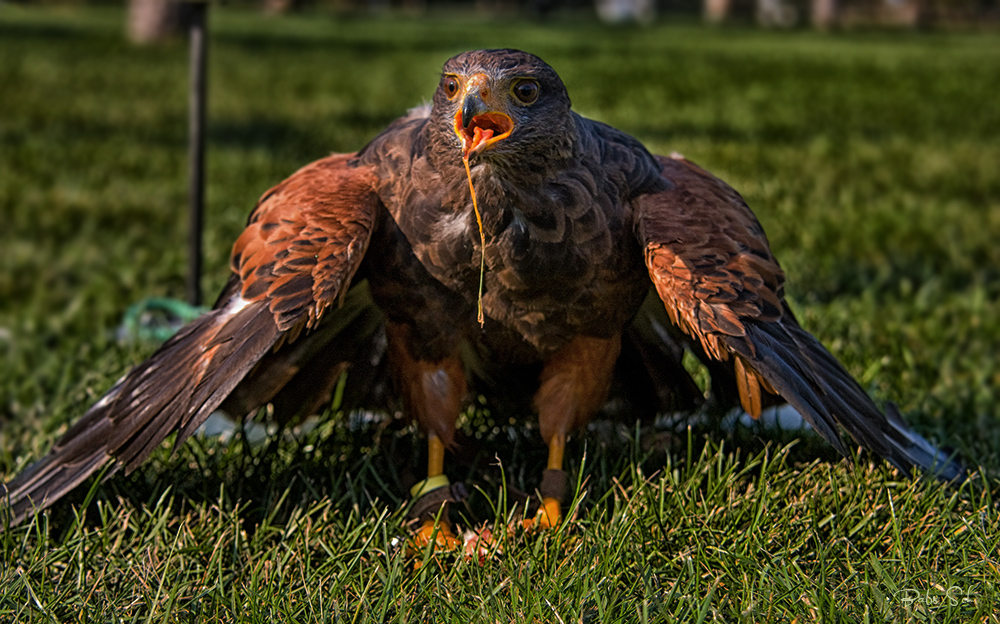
(574, 225)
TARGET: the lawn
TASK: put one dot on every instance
(870, 158)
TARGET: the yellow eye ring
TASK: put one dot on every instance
(525, 90)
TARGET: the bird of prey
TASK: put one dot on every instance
(495, 221)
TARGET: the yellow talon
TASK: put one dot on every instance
(549, 514)
(441, 533)
(548, 517)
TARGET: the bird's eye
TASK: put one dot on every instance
(450, 86)
(526, 91)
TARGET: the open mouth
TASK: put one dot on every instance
(483, 131)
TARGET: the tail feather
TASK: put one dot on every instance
(174, 390)
(799, 368)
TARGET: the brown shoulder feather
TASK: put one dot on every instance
(711, 265)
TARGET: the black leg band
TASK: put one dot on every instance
(427, 506)
(554, 485)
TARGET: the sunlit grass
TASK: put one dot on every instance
(871, 160)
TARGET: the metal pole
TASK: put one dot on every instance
(196, 148)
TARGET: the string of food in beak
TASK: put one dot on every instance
(484, 130)
(482, 236)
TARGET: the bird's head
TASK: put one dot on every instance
(503, 103)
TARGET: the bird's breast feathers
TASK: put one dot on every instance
(560, 254)
(558, 258)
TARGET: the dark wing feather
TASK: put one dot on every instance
(711, 264)
(299, 379)
(301, 248)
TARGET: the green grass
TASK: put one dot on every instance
(870, 158)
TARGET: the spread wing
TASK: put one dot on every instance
(301, 248)
(711, 265)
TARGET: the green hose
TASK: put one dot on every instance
(156, 319)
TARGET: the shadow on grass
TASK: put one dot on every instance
(358, 469)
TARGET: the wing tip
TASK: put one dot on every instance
(829, 399)
(920, 453)
(46, 481)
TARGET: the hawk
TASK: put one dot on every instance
(496, 221)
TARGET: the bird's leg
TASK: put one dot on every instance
(432, 496)
(553, 485)
(433, 392)
(574, 384)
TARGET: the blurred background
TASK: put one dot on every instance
(150, 19)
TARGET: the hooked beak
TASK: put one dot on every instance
(477, 125)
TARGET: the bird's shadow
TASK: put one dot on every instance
(356, 467)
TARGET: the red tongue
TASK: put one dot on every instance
(479, 136)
